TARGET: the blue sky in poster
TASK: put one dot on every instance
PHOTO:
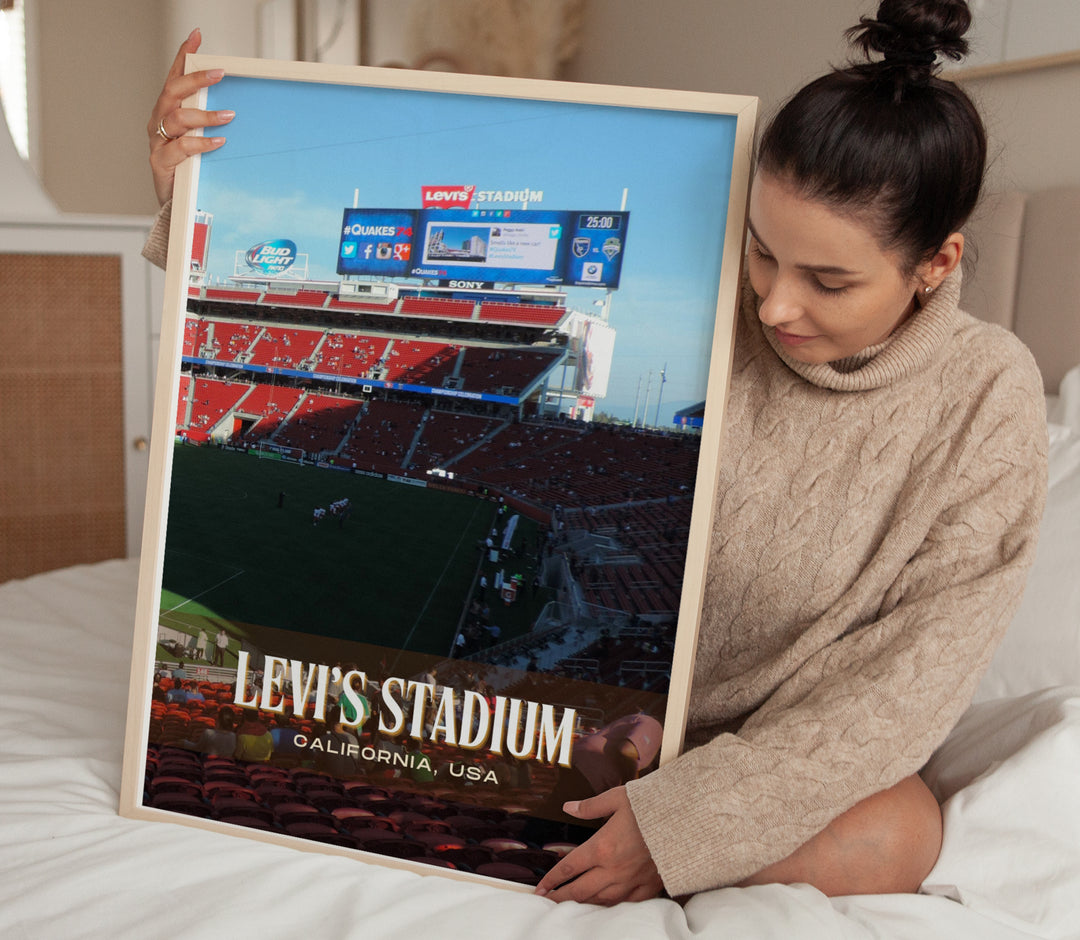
(296, 153)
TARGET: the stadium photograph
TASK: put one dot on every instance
(441, 379)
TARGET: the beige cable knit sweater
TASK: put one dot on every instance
(876, 521)
(156, 249)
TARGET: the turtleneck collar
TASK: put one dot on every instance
(909, 350)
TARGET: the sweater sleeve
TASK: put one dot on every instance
(156, 249)
(867, 710)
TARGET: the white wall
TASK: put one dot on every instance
(228, 28)
(769, 48)
(324, 31)
(1007, 30)
(1034, 127)
(98, 73)
(100, 67)
(766, 48)
(102, 64)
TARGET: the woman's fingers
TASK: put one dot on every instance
(170, 157)
(167, 100)
(189, 45)
(170, 146)
(612, 865)
(167, 109)
(170, 122)
(177, 123)
(165, 159)
(167, 118)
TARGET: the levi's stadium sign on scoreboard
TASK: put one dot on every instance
(520, 246)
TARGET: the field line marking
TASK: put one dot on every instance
(202, 593)
(435, 587)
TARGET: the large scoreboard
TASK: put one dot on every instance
(479, 247)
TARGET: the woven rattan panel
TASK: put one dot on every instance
(61, 412)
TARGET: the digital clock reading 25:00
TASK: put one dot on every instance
(600, 221)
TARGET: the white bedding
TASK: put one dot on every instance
(72, 867)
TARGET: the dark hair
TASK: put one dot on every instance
(887, 139)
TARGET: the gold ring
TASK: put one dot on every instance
(162, 133)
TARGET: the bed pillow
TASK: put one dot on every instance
(1012, 818)
(1042, 646)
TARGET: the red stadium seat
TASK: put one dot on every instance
(437, 841)
(288, 813)
(467, 856)
(250, 822)
(534, 859)
(367, 824)
(173, 784)
(504, 845)
(351, 812)
(241, 807)
(180, 803)
(509, 872)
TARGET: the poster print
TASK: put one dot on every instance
(439, 403)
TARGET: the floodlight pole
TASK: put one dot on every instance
(660, 396)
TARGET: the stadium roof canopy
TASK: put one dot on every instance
(692, 417)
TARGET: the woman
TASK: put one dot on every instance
(881, 486)
(881, 483)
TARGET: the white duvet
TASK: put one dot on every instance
(73, 868)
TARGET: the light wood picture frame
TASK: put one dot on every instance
(439, 402)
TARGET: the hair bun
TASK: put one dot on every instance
(913, 33)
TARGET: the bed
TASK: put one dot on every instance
(1007, 777)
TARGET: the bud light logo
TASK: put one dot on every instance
(272, 257)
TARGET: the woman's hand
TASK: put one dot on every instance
(169, 120)
(613, 865)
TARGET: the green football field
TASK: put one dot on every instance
(398, 572)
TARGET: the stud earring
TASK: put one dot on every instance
(928, 289)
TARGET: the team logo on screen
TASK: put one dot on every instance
(611, 248)
(580, 246)
(272, 257)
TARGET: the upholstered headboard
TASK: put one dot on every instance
(1026, 276)
(78, 318)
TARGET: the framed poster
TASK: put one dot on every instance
(442, 377)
